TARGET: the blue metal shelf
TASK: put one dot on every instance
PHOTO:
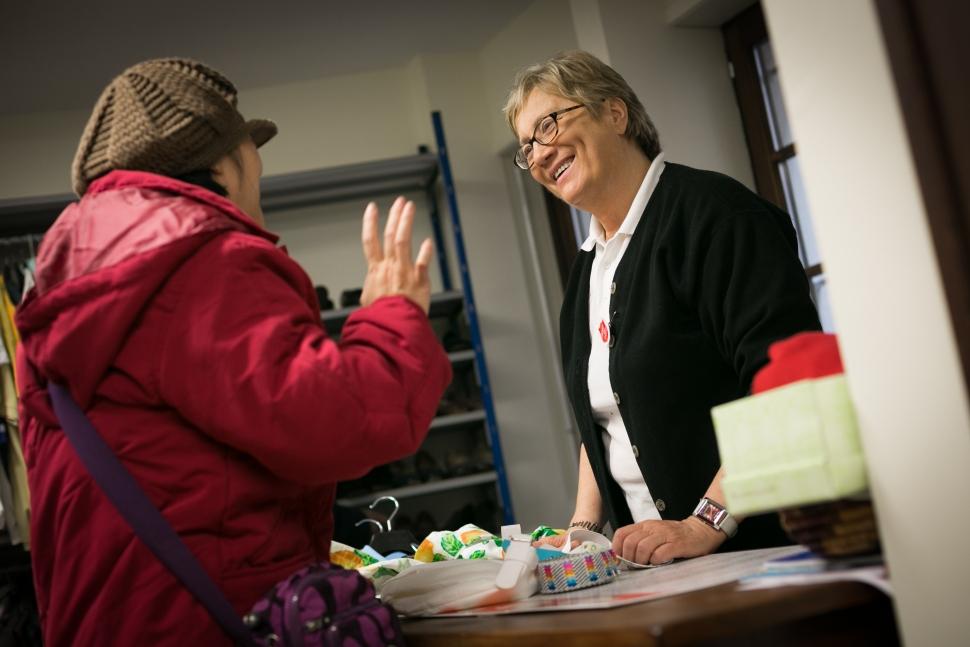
(491, 424)
(420, 489)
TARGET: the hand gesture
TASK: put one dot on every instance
(389, 268)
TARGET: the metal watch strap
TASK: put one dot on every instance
(716, 516)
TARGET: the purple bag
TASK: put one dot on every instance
(321, 604)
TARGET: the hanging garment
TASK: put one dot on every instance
(28, 277)
(16, 467)
(14, 281)
(7, 520)
(10, 336)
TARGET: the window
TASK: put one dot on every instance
(774, 158)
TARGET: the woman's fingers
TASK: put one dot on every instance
(665, 554)
(619, 537)
(402, 238)
(425, 253)
(638, 541)
(390, 268)
(372, 247)
(646, 548)
(390, 229)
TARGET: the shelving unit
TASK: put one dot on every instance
(431, 487)
(461, 357)
(24, 216)
(443, 304)
(459, 420)
(420, 172)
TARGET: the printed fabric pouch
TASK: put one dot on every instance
(320, 604)
(590, 562)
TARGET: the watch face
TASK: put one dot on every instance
(712, 513)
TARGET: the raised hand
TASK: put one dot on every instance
(390, 270)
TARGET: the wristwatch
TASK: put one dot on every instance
(716, 516)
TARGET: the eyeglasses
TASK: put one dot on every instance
(544, 133)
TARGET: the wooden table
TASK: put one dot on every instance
(831, 614)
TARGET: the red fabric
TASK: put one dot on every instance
(194, 344)
(799, 357)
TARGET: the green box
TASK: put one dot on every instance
(794, 445)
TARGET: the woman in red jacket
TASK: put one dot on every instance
(194, 345)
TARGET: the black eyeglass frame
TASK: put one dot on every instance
(535, 139)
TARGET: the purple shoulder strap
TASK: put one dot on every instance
(144, 518)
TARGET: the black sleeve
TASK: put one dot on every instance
(752, 289)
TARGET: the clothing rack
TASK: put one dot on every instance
(24, 242)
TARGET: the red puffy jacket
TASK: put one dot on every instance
(194, 344)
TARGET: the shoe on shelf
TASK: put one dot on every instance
(459, 463)
(483, 514)
(453, 342)
(403, 473)
(482, 458)
(427, 467)
(450, 407)
(424, 525)
(379, 478)
(350, 298)
(323, 297)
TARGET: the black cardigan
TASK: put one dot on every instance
(710, 278)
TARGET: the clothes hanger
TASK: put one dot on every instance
(390, 541)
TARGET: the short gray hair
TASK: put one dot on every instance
(585, 79)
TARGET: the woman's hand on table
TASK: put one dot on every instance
(658, 542)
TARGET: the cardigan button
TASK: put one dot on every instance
(636, 452)
(661, 506)
(613, 287)
(612, 342)
(616, 397)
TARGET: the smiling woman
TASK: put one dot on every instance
(684, 281)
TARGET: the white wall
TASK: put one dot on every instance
(328, 122)
(895, 333)
(544, 28)
(681, 76)
(37, 152)
(337, 120)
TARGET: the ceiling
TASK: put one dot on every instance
(60, 59)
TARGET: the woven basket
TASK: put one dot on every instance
(841, 528)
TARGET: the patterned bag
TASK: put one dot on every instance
(321, 605)
(318, 605)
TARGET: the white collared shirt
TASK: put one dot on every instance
(619, 452)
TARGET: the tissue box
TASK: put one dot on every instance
(794, 445)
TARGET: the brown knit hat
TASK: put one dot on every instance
(169, 116)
